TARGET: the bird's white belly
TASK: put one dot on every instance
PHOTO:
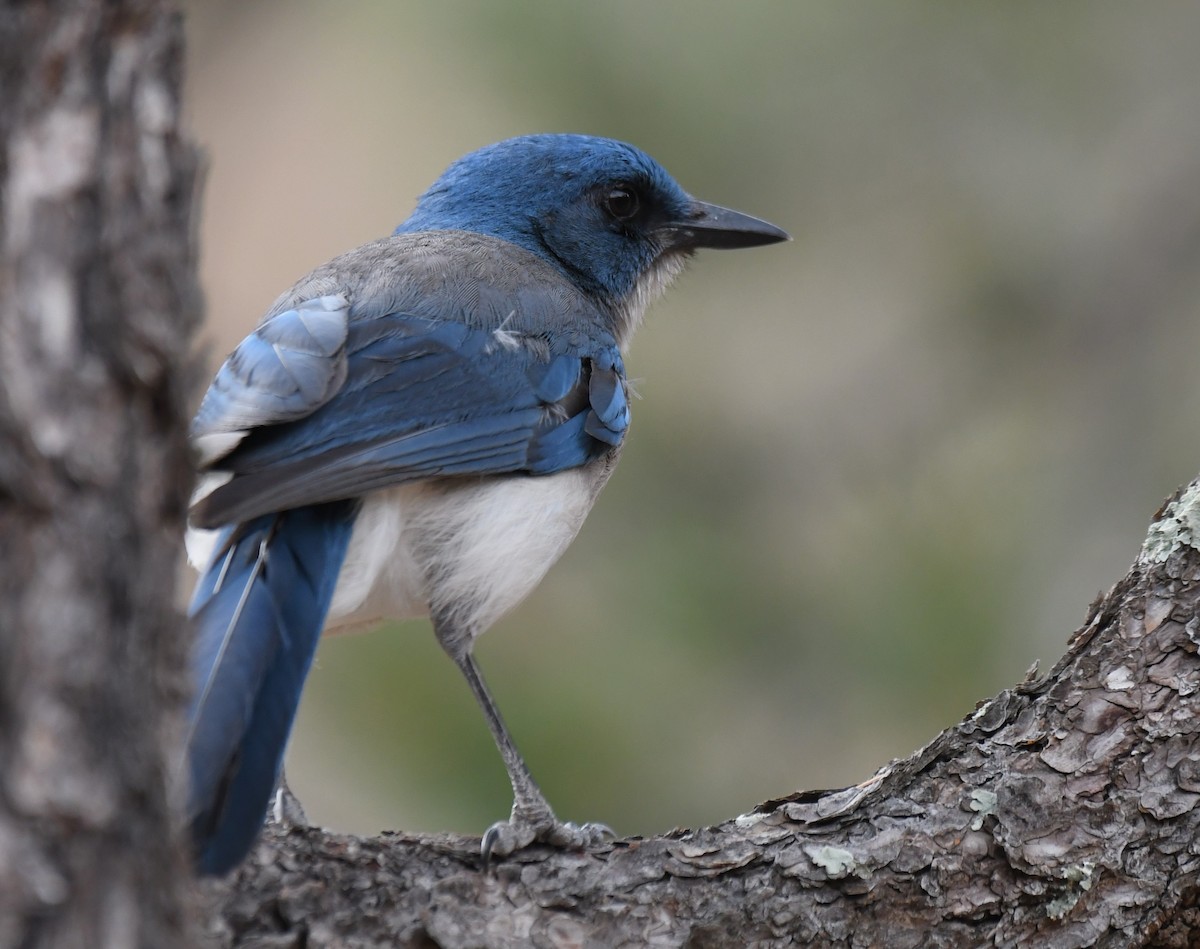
(473, 549)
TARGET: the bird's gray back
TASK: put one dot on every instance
(482, 281)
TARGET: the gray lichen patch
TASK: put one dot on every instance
(1079, 879)
(983, 803)
(837, 862)
(1179, 526)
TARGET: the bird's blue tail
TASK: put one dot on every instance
(258, 613)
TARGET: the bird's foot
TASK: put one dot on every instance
(286, 808)
(540, 826)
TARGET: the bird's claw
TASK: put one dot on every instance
(286, 808)
(508, 836)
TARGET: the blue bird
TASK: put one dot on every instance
(418, 428)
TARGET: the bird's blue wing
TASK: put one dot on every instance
(417, 398)
(290, 365)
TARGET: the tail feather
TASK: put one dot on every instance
(258, 613)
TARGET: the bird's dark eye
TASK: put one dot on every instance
(622, 203)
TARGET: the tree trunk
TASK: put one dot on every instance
(1061, 813)
(98, 302)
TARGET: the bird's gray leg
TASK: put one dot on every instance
(531, 819)
(528, 801)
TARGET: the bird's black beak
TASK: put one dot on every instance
(709, 225)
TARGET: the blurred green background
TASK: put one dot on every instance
(874, 474)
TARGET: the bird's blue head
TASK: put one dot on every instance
(604, 212)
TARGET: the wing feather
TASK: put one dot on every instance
(417, 398)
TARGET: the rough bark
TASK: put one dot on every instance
(1061, 813)
(97, 305)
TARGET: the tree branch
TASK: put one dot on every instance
(1062, 812)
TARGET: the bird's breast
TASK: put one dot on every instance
(466, 550)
